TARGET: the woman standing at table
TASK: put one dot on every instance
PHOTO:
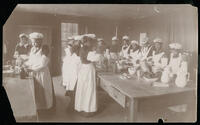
(38, 65)
(114, 49)
(85, 98)
(145, 49)
(157, 56)
(23, 47)
(125, 47)
(134, 51)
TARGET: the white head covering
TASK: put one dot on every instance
(157, 40)
(36, 35)
(144, 41)
(175, 46)
(134, 42)
(100, 39)
(23, 35)
(79, 37)
(114, 38)
(91, 35)
(125, 37)
(70, 38)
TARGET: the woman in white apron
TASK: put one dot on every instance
(158, 56)
(175, 59)
(125, 47)
(71, 67)
(112, 53)
(134, 51)
(146, 49)
(66, 61)
(86, 98)
(38, 64)
(66, 66)
(74, 67)
(174, 63)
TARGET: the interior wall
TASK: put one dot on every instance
(172, 27)
(102, 28)
(20, 18)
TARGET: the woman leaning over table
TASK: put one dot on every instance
(38, 65)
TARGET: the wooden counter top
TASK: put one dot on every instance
(21, 96)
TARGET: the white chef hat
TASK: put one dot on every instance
(114, 38)
(70, 38)
(78, 37)
(157, 40)
(100, 39)
(176, 46)
(91, 35)
(23, 35)
(144, 40)
(36, 35)
(125, 37)
(134, 42)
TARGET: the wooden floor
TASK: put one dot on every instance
(108, 110)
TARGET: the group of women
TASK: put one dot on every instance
(84, 55)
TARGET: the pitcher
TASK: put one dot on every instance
(182, 75)
(182, 79)
(165, 75)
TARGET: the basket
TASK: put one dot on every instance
(150, 79)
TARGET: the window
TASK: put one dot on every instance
(67, 30)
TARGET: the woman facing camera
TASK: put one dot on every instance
(38, 65)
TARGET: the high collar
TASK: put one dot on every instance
(20, 44)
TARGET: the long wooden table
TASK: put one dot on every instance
(21, 96)
(135, 95)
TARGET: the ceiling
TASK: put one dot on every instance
(103, 11)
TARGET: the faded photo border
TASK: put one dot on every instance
(7, 6)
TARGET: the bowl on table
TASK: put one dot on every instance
(131, 71)
(151, 80)
(150, 77)
(156, 69)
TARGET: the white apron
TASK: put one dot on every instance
(85, 98)
(43, 86)
(145, 51)
(157, 58)
(124, 52)
(175, 63)
(73, 69)
(135, 56)
(113, 56)
(93, 56)
(66, 67)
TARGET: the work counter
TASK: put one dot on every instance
(136, 95)
(20, 93)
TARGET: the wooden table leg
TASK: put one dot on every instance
(132, 110)
(37, 116)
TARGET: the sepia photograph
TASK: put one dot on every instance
(101, 62)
